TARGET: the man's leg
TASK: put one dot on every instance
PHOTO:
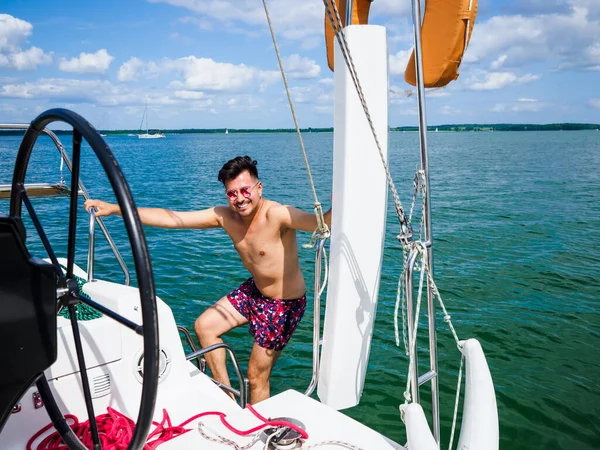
(260, 365)
(209, 327)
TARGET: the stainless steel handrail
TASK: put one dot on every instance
(349, 6)
(243, 392)
(90, 261)
(433, 359)
(201, 363)
(317, 318)
(84, 192)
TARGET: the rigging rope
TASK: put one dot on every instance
(424, 268)
(321, 233)
(321, 225)
(406, 232)
(336, 24)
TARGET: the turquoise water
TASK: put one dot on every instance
(516, 228)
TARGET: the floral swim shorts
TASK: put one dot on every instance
(272, 320)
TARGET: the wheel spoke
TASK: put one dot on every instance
(84, 378)
(38, 226)
(74, 200)
(110, 313)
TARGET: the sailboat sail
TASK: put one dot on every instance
(147, 134)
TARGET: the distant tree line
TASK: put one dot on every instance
(506, 127)
(454, 128)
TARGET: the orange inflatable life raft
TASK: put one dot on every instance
(445, 34)
(360, 16)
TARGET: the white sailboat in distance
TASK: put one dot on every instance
(147, 134)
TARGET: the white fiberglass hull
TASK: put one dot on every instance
(151, 136)
(113, 355)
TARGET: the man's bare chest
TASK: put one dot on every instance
(257, 244)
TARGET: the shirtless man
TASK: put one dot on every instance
(263, 232)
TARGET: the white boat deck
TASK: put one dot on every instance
(325, 426)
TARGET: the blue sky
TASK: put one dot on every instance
(210, 63)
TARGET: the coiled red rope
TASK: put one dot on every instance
(115, 430)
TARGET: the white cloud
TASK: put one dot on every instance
(291, 19)
(29, 59)
(242, 102)
(129, 70)
(203, 24)
(13, 32)
(499, 62)
(314, 94)
(447, 110)
(201, 105)
(97, 92)
(302, 94)
(391, 8)
(136, 69)
(195, 74)
(442, 92)
(297, 66)
(98, 62)
(530, 106)
(521, 105)
(207, 74)
(486, 81)
(536, 7)
(7, 108)
(268, 78)
(190, 95)
(595, 102)
(593, 55)
(567, 39)
(411, 111)
(399, 61)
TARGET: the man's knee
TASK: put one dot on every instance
(258, 375)
(261, 364)
(204, 327)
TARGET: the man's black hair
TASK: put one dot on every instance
(232, 168)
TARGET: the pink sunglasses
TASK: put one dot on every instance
(246, 191)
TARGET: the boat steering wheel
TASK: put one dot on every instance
(68, 292)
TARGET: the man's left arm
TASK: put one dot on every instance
(297, 219)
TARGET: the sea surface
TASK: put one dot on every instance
(516, 232)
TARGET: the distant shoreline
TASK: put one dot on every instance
(431, 128)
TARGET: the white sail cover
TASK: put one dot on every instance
(358, 220)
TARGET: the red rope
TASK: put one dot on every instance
(116, 430)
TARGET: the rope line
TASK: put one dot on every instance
(83, 310)
(321, 225)
(115, 432)
(458, 385)
(402, 295)
(223, 440)
(413, 336)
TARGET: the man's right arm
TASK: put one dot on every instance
(164, 218)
